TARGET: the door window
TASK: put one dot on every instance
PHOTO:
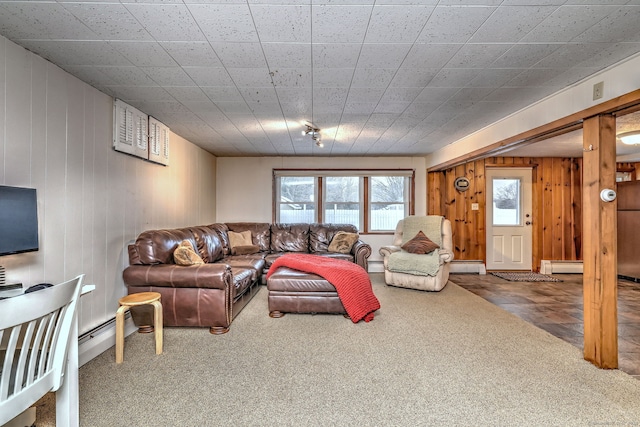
(506, 201)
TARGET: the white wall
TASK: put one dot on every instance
(244, 187)
(618, 80)
(56, 136)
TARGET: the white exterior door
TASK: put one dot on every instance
(509, 210)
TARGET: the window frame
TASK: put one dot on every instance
(364, 175)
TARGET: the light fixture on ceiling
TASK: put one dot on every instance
(630, 138)
(315, 134)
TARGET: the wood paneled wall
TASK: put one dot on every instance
(557, 216)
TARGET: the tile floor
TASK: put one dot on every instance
(557, 308)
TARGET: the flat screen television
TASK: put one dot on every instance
(18, 220)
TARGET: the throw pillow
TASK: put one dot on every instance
(420, 244)
(342, 242)
(240, 239)
(244, 250)
(186, 255)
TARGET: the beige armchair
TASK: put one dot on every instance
(420, 280)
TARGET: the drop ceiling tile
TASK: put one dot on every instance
(360, 107)
(287, 55)
(335, 55)
(144, 54)
(555, 29)
(240, 55)
(187, 94)
(453, 24)
(209, 76)
(71, 52)
(413, 77)
(382, 55)
(332, 77)
(90, 75)
(167, 22)
(372, 77)
(340, 24)
(391, 107)
(126, 76)
(470, 94)
(405, 21)
(470, 2)
(45, 21)
(619, 26)
(261, 108)
(365, 94)
(509, 24)
(614, 53)
(234, 107)
(282, 23)
(524, 55)
(292, 77)
(454, 77)
(222, 93)
(401, 94)
(141, 93)
(535, 77)
(424, 55)
(192, 54)
(330, 95)
(168, 76)
(120, 25)
(250, 77)
(259, 94)
(569, 55)
(494, 78)
(420, 109)
(477, 55)
(294, 94)
(225, 22)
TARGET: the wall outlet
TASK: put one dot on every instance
(598, 90)
(474, 207)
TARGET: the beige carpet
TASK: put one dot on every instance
(430, 359)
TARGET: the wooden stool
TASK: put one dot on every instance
(141, 298)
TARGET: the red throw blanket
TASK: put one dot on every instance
(350, 280)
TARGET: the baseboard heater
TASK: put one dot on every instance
(468, 266)
(101, 338)
(551, 267)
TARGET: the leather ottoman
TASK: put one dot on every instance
(293, 291)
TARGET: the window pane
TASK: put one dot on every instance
(506, 201)
(342, 200)
(297, 199)
(389, 201)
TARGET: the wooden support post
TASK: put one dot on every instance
(600, 286)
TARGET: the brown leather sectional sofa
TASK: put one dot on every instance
(213, 293)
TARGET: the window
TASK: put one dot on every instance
(297, 199)
(342, 200)
(389, 201)
(373, 201)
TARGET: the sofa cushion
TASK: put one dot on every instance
(245, 250)
(320, 235)
(290, 237)
(260, 232)
(186, 255)
(222, 231)
(239, 239)
(210, 245)
(420, 244)
(342, 242)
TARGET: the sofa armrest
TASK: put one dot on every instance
(211, 276)
(361, 252)
(385, 251)
(445, 255)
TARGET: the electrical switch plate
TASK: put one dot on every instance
(474, 207)
(598, 90)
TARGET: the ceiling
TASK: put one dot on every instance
(389, 77)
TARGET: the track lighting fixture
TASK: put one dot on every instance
(315, 134)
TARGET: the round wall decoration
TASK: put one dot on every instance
(461, 183)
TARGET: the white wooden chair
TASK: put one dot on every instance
(35, 329)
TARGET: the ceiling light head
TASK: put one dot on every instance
(630, 138)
